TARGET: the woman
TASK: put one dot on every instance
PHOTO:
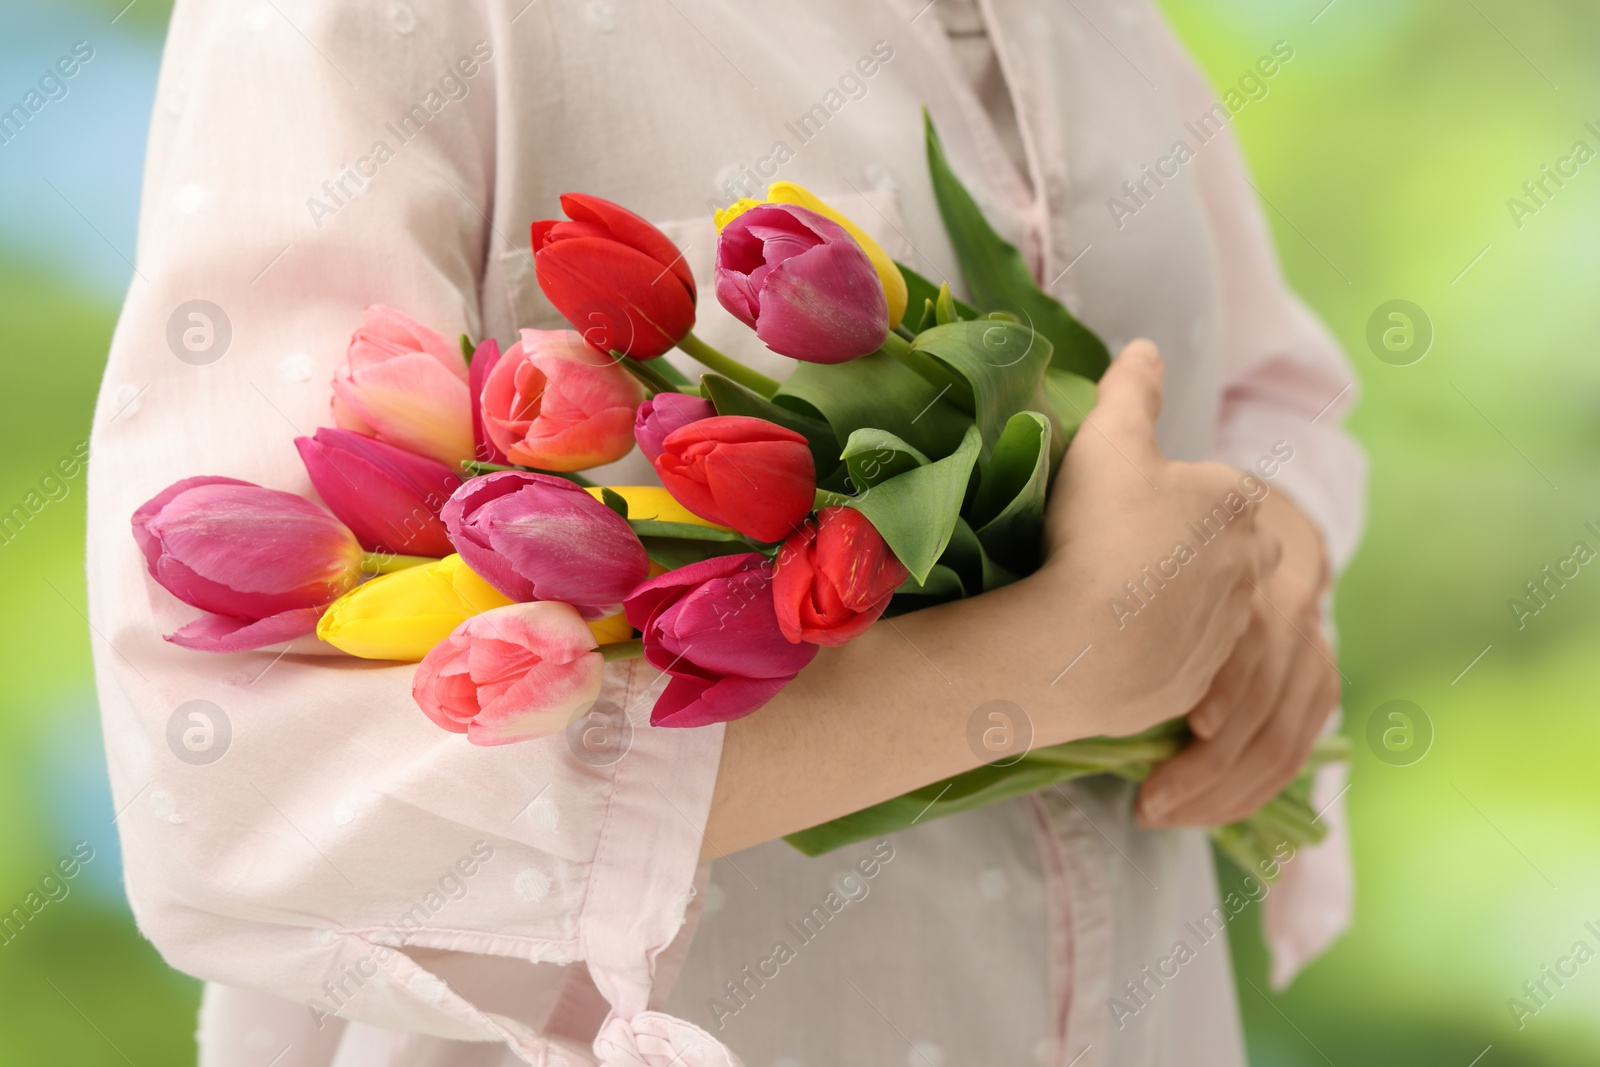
(359, 888)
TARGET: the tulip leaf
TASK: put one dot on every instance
(943, 585)
(615, 501)
(878, 391)
(1008, 510)
(997, 369)
(944, 308)
(875, 456)
(731, 398)
(678, 544)
(999, 279)
(921, 290)
(1072, 396)
(967, 557)
(467, 349)
(917, 510)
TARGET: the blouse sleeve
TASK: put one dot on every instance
(1287, 383)
(1287, 386)
(290, 821)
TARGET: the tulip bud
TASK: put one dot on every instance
(403, 615)
(260, 562)
(747, 473)
(407, 385)
(662, 414)
(894, 283)
(802, 283)
(390, 498)
(511, 674)
(539, 537)
(552, 402)
(620, 282)
(711, 627)
(484, 357)
(834, 579)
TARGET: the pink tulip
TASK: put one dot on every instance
(262, 563)
(712, 627)
(511, 674)
(390, 498)
(484, 358)
(539, 537)
(662, 414)
(802, 283)
(554, 402)
(407, 385)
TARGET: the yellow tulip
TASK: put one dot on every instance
(894, 284)
(401, 616)
(654, 502)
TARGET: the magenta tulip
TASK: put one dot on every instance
(554, 403)
(484, 358)
(262, 563)
(539, 537)
(711, 626)
(407, 385)
(802, 283)
(511, 674)
(662, 414)
(390, 498)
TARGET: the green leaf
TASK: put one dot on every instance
(944, 308)
(966, 556)
(1008, 511)
(1071, 396)
(942, 584)
(917, 510)
(688, 531)
(920, 290)
(467, 348)
(615, 501)
(874, 456)
(999, 279)
(731, 398)
(678, 544)
(997, 368)
(877, 391)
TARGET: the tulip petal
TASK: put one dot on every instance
(619, 298)
(632, 230)
(688, 702)
(814, 307)
(225, 633)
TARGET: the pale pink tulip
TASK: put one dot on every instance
(405, 384)
(511, 674)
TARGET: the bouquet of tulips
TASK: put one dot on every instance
(904, 462)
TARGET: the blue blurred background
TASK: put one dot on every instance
(1387, 151)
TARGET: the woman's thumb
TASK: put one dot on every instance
(1130, 395)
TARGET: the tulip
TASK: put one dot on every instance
(747, 473)
(511, 674)
(552, 402)
(834, 579)
(407, 385)
(653, 502)
(539, 537)
(390, 498)
(616, 278)
(484, 357)
(712, 628)
(403, 615)
(261, 563)
(894, 283)
(662, 414)
(802, 283)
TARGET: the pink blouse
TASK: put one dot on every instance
(359, 887)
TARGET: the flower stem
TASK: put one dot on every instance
(727, 366)
(474, 467)
(572, 476)
(649, 376)
(895, 345)
(373, 563)
(623, 650)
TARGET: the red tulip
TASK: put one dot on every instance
(711, 627)
(834, 578)
(620, 282)
(390, 498)
(662, 414)
(262, 563)
(539, 537)
(747, 473)
(802, 283)
(552, 402)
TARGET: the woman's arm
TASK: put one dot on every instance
(889, 712)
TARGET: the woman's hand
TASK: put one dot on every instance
(1156, 552)
(1263, 713)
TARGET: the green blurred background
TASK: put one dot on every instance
(1387, 150)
